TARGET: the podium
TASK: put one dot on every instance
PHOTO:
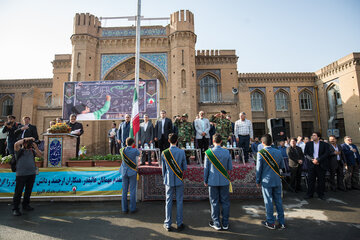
(58, 148)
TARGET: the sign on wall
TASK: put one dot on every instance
(67, 182)
(55, 148)
(109, 100)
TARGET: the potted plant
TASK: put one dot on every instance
(39, 161)
(81, 161)
(107, 160)
(5, 161)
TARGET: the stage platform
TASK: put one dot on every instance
(242, 177)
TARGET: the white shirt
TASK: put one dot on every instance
(22, 135)
(243, 128)
(162, 125)
(260, 146)
(3, 135)
(336, 149)
(145, 125)
(316, 149)
(86, 116)
(301, 145)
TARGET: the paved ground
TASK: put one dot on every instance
(337, 218)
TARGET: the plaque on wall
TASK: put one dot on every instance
(55, 148)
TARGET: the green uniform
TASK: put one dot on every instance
(185, 132)
(223, 127)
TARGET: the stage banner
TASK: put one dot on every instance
(109, 100)
(67, 182)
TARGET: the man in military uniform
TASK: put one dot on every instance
(185, 130)
(223, 126)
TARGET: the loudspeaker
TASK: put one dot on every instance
(277, 128)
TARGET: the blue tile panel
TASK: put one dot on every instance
(287, 89)
(110, 61)
(131, 32)
(262, 89)
(311, 89)
(200, 72)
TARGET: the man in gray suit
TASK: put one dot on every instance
(202, 128)
(146, 136)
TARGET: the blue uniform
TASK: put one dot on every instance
(271, 185)
(218, 185)
(129, 179)
(174, 184)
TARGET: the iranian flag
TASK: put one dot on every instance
(135, 120)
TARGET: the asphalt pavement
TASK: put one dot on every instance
(336, 218)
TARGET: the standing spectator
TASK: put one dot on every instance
(76, 129)
(212, 132)
(282, 148)
(317, 152)
(10, 128)
(233, 138)
(216, 177)
(146, 136)
(223, 126)
(300, 143)
(254, 147)
(353, 161)
(202, 128)
(337, 161)
(27, 130)
(296, 158)
(163, 128)
(269, 163)
(3, 137)
(123, 131)
(59, 120)
(173, 166)
(25, 173)
(306, 140)
(244, 133)
(112, 139)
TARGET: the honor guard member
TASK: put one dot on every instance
(269, 163)
(223, 126)
(216, 177)
(128, 171)
(173, 166)
(185, 130)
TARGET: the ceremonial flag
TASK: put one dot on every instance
(135, 120)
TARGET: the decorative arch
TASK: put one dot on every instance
(257, 100)
(281, 100)
(306, 99)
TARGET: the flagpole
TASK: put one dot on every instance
(137, 55)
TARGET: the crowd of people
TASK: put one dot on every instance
(314, 158)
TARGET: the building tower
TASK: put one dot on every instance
(182, 40)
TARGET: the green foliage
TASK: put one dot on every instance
(39, 159)
(5, 159)
(107, 157)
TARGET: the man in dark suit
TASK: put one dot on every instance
(76, 129)
(146, 136)
(10, 127)
(353, 161)
(27, 130)
(112, 139)
(337, 161)
(317, 153)
(296, 158)
(123, 132)
(163, 128)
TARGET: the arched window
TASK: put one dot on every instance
(49, 101)
(7, 107)
(257, 103)
(305, 100)
(281, 101)
(183, 79)
(209, 89)
(78, 76)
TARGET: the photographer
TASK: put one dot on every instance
(25, 152)
(10, 127)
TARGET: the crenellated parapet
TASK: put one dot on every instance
(181, 21)
(277, 77)
(209, 57)
(85, 23)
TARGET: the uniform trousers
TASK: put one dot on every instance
(273, 195)
(169, 191)
(244, 142)
(126, 183)
(219, 195)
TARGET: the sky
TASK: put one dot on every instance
(268, 35)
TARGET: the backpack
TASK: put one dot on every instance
(15, 158)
